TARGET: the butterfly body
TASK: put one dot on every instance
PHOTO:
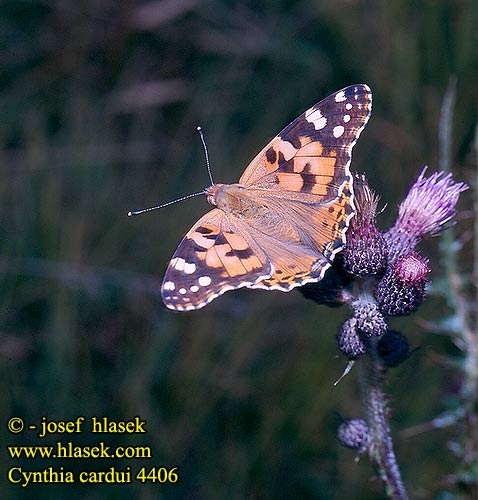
(242, 203)
(260, 209)
(281, 225)
(232, 199)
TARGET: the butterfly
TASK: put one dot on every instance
(281, 225)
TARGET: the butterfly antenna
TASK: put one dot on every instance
(137, 212)
(206, 154)
(204, 191)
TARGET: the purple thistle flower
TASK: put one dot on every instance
(429, 205)
(387, 278)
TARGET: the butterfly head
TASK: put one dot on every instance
(214, 192)
(222, 195)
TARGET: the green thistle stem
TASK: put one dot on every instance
(381, 445)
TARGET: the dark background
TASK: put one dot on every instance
(99, 106)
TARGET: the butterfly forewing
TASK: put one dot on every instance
(312, 154)
(289, 215)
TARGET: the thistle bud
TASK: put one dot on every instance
(370, 320)
(328, 290)
(393, 348)
(353, 433)
(349, 340)
(365, 251)
(402, 288)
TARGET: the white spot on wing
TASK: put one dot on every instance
(346, 118)
(179, 264)
(194, 288)
(338, 131)
(169, 285)
(348, 106)
(189, 268)
(321, 123)
(204, 280)
(182, 291)
(315, 117)
(340, 96)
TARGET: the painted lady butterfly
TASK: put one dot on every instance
(282, 224)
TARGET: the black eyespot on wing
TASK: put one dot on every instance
(271, 155)
(285, 165)
(221, 239)
(309, 182)
(241, 254)
(307, 168)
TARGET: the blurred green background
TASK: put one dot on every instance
(99, 106)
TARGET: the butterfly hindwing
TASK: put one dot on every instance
(213, 257)
(319, 232)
